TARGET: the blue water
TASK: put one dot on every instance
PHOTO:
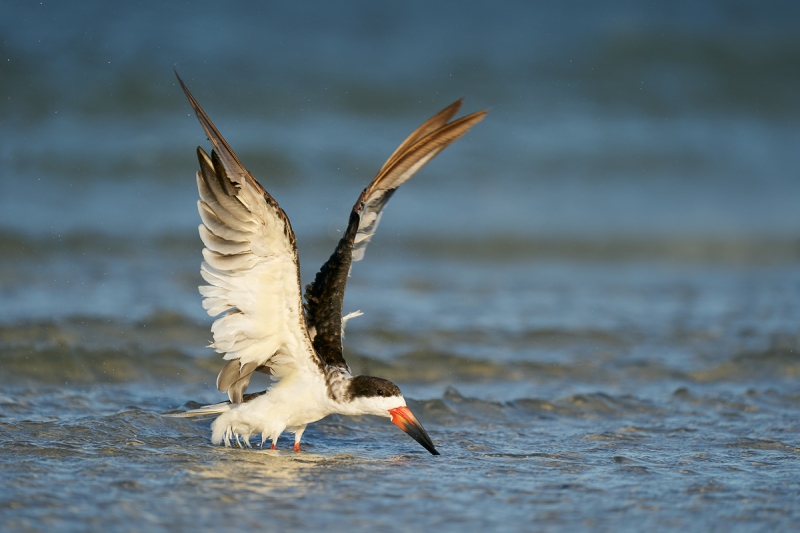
(592, 300)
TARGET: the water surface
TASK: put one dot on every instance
(592, 300)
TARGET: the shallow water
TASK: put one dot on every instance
(624, 401)
(592, 301)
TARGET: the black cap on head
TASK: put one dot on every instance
(369, 387)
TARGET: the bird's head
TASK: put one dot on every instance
(375, 396)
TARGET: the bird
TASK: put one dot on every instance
(251, 267)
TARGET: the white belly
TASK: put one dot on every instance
(289, 405)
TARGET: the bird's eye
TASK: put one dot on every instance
(380, 392)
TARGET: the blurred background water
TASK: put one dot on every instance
(592, 299)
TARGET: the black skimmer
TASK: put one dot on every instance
(251, 267)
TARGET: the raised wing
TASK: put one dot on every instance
(325, 295)
(250, 265)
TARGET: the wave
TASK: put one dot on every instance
(52, 353)
(81, 350)
(453, 408)
(690, 249)
(168, 344)
(479, 249)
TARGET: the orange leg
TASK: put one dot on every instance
(273, 446)
(298, 434)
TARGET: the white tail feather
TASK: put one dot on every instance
(206, 410)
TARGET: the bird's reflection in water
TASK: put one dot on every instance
(261, 470)
(267, 471)
(283, 472)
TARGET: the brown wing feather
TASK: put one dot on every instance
(432, 124)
